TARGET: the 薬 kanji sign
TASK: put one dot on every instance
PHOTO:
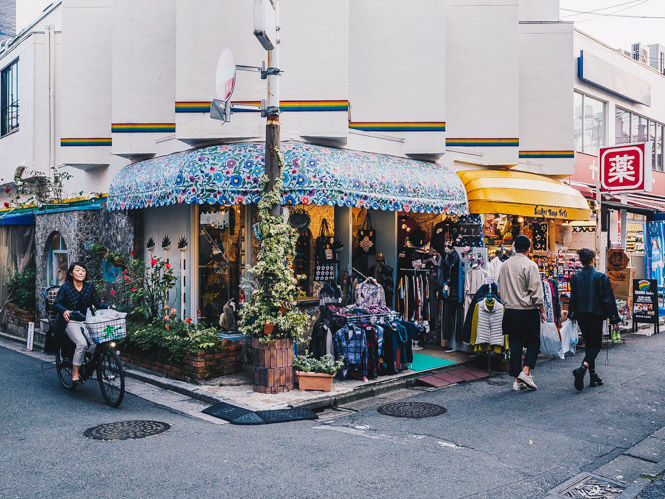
(626, 168)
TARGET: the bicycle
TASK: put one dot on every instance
(110, 372)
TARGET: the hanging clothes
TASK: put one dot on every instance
(482, 292)
(350, 345)
(473, 280)
(370, 294)
(548, 303)
(493, 268)
(487, 326)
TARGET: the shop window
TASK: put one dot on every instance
(57, 261)
(221, 239)
(578, 124)
(9, 98)
(622, 127)
(594, 125)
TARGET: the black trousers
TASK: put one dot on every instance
(591, 326)
(523, 329)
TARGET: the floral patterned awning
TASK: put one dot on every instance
(229, 174)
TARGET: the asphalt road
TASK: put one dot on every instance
(492, 442)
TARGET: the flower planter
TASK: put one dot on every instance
(314, 381)
(17, 316)
(273, 365)
(201, 365)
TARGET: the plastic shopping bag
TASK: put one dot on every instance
(103, 315)
(550, 343)
(569, 337)
(105, 325)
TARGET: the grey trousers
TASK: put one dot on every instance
(77, 333)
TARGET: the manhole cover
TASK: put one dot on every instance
(411, 410)
(126, 429)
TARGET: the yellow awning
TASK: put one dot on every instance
(524, 194)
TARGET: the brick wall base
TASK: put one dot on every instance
(205, 364)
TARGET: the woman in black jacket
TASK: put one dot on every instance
(76, 294)
(591, 302)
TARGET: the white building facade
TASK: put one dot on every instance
(464, 86)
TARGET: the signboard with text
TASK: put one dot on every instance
(645, 301)
(626, 168)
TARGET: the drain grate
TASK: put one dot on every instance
(411, 410)
(592, 487)
(124, 430)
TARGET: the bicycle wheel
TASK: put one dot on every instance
(111, 376)
(63, 366)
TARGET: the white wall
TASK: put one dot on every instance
(482, 78)
(546, 99)
(85, 89)
(143, 74)
(396, 70)
(539, 10)
(173, 221)
(17, 148)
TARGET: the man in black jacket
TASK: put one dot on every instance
(591, 302)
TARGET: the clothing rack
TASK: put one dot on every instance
(368, 317)
(414, 270)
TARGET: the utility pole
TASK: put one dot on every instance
(272, 168)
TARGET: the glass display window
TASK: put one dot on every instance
(221, 239)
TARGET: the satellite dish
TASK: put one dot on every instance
(225, 76)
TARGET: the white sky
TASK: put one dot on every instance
(619, 32)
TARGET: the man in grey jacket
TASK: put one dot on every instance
(521, 291)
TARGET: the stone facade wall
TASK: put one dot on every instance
(80, 229)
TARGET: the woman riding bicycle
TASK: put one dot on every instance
(75, 295)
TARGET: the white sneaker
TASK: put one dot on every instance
(518, 385)
(527, 379)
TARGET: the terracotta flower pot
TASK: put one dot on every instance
(314, 381)
(268, 327)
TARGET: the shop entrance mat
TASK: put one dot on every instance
(238, 415)
(422, 362)
(452, 377)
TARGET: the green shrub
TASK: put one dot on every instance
(326, 364)
(21, 286)
(170, 338)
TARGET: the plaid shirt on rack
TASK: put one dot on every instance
(350, 343)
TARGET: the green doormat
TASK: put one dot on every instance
(422, 362)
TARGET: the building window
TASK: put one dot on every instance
(589, 124)
(638, 128)
(9, 99)
(578, 125)
(659, 147)
(594, 125)
(57, 261)
(622, 127)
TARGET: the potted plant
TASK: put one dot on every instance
(271, 316)
(316, 374)
(99, 249)
(116, 258)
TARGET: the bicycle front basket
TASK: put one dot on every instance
(101, 332)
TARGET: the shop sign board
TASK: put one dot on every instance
(626, 168)
(645, 301)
